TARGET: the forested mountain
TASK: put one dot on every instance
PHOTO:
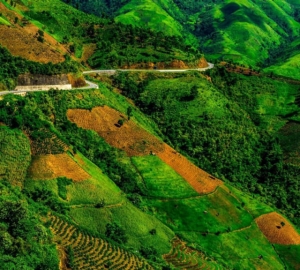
(253, 33)
(151, 168)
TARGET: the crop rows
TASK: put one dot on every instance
(94, 253)
(128, 137)
(183, 257)
(277, 229)
(48, 144)
(200, 180)
(53, 166)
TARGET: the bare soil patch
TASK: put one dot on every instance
(277, 229)
(200, 180)
(53, 166)
(136, 141)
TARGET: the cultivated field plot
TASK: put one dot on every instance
(94, 253)
(278, 230)
(128, 137)
(253, 205)
(200, 180)
(138, 142)
(14, 155)
(161, 180)
(214, 213)
(246, 248)
(290, 255)
(45, 143)
(85, 193)
(137, 225)
(23, 40)
(98, 187)
(54, 166)
(184, 257)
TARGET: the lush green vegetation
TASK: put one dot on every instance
(101, 8)
(25, 242)
(289, 254)
(160, 180)
(243, 130)
(119, 46)
(237, 243)
(12, 66)
(251, 32)
(14, 155)
(251, 156)
(141, 221)
(216, 213)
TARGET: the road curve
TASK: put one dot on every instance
(91, 85)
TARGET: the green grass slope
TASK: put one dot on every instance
(148, 14)
(219, 225)
(14, 155)
(243, 148)
(160, 180)
(247, 32)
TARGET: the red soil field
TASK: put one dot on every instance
(277, 229)
(136, 141)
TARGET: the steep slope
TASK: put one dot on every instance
(149, 14)
(22, 38)
(245, 31)
(52, 31)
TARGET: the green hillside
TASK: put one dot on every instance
(150, 15)
(154, 168)
(253, 33)
(146, 207)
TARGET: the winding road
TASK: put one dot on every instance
(91, 85)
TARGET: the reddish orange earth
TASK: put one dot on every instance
(136, 141)
(53, 166)
(277, 229)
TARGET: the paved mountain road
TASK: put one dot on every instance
(113, 71)
(109, 72)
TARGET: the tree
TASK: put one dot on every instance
(194, 92)
(116, 233)
(129, 112)
(120, 122)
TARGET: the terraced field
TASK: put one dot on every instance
(94, 253)
(183, 257)
(45, 144)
